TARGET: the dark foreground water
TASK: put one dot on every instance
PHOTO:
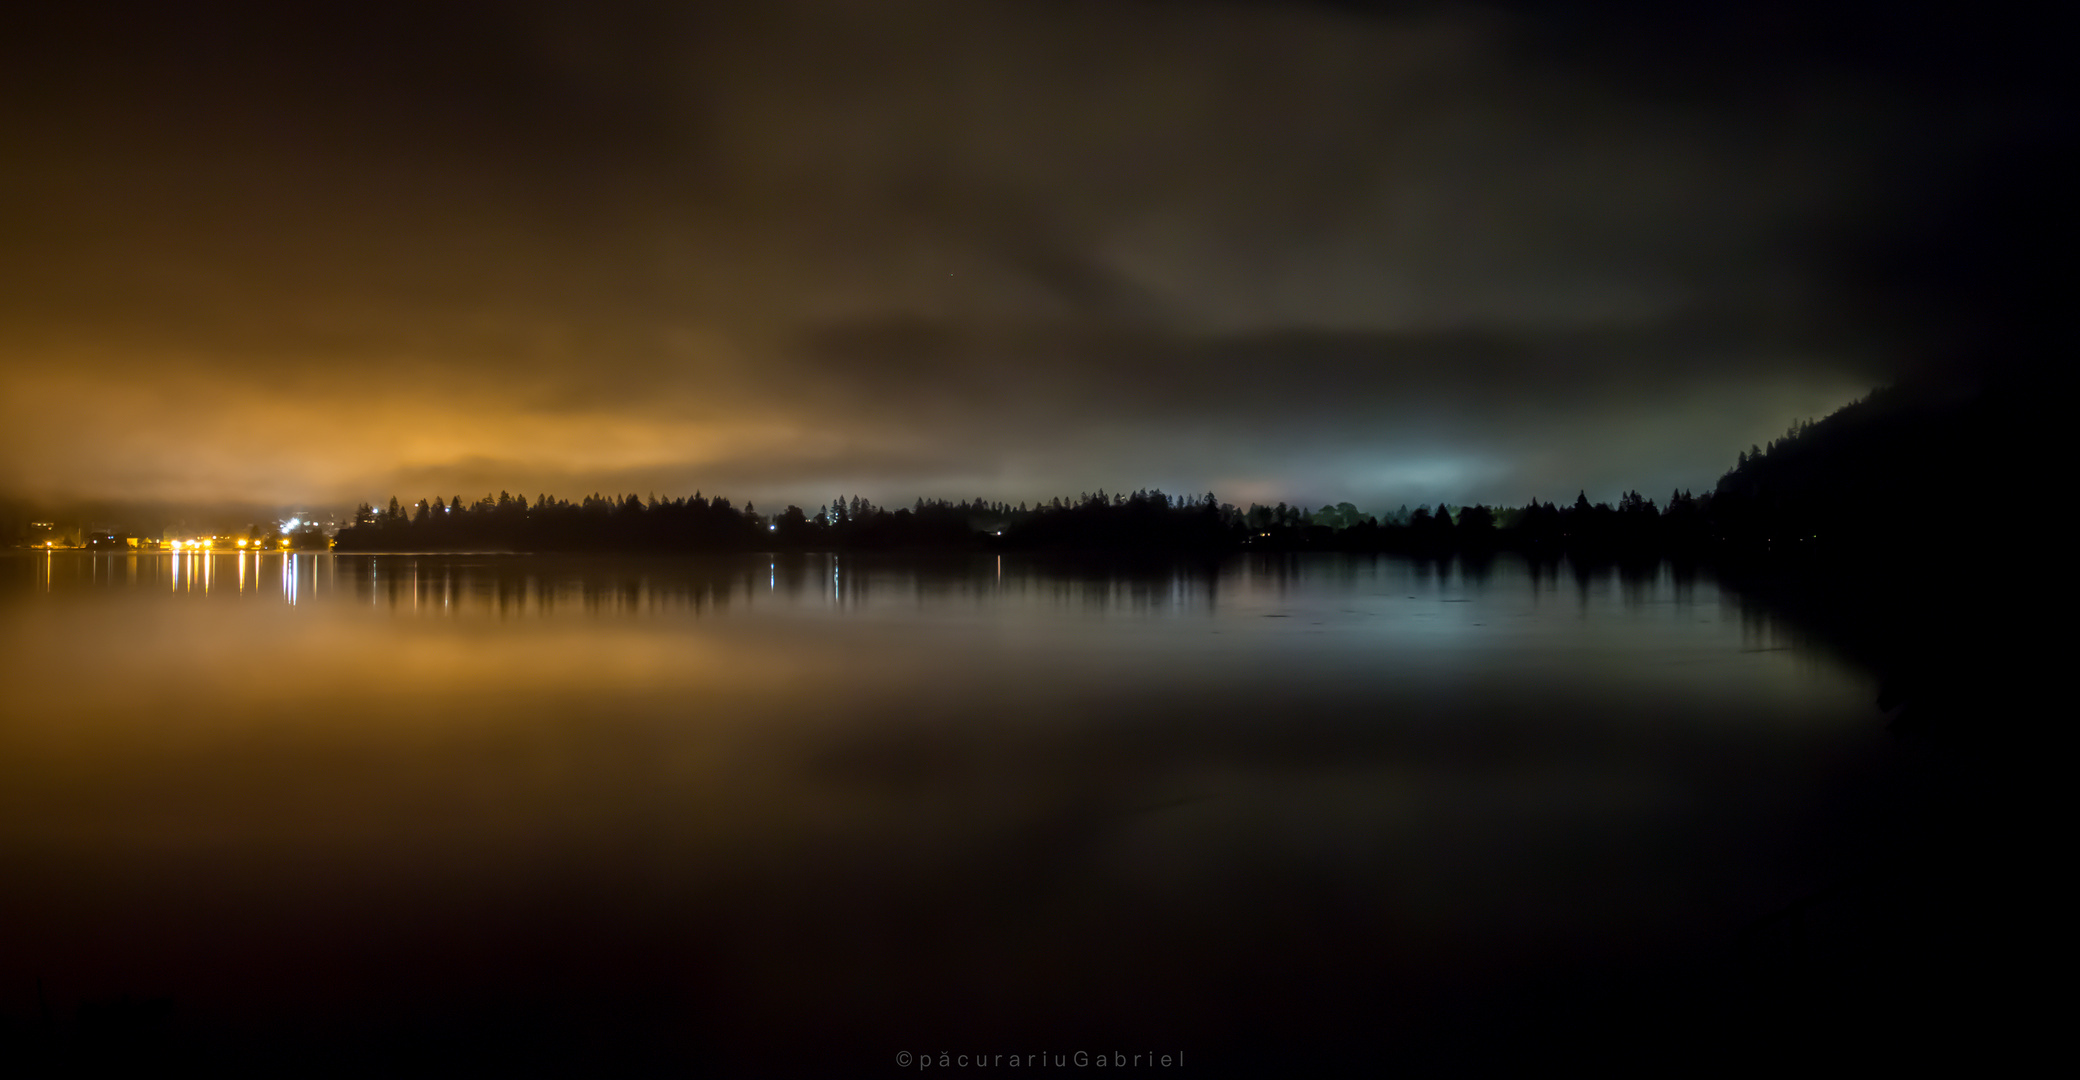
(762, 816)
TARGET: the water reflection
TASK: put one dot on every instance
(758, 805)
(526, 586)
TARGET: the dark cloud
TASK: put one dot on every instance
(1310, 251)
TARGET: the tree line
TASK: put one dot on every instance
(1148, 520)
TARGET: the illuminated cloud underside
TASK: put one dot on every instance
(1282, 252)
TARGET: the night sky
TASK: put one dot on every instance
(302, 254)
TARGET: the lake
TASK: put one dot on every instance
(758, 814)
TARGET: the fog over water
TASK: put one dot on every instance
(753, 812)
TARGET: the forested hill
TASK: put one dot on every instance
(1924, 467)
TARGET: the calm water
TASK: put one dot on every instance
(749, 812)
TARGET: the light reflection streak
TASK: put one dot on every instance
(550, 588)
